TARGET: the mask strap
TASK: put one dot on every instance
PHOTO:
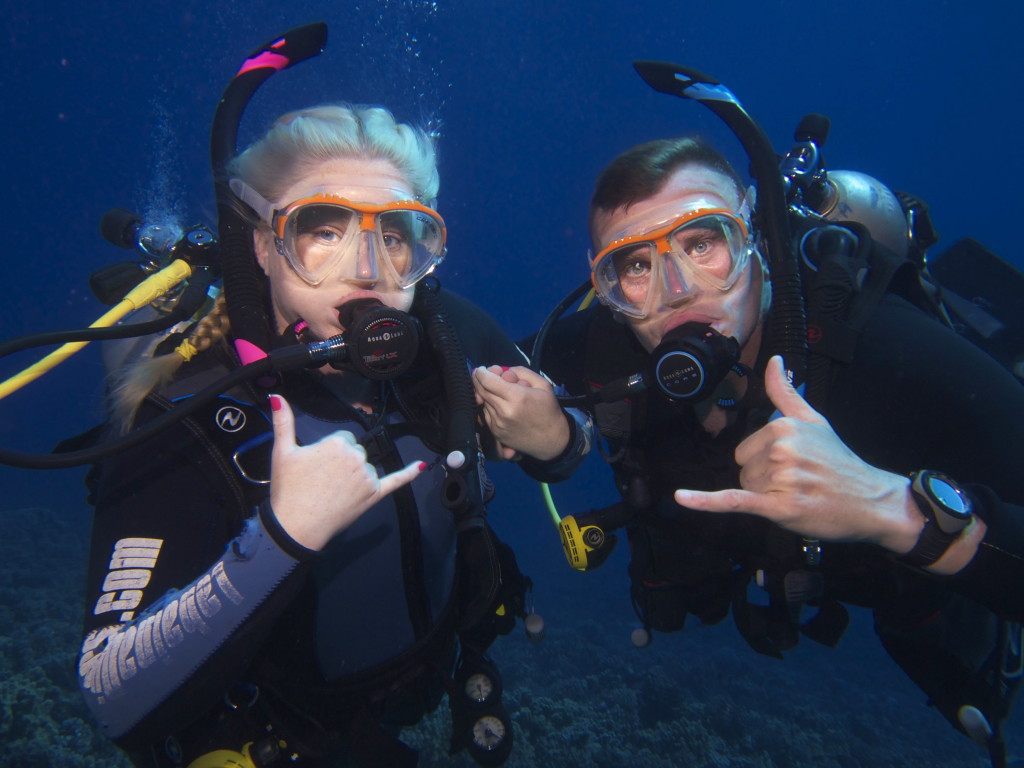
(747, 206)
(263, 207)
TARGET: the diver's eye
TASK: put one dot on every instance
(701, 248)
(632, 261)
(393, 241)
(326, 236)
(632, 266)
(707, 247)
(635, 268)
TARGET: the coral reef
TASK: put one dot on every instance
(43, 721)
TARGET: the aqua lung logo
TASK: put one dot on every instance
(683, 373)
(230, 418)
(680, 375)
(388, 336)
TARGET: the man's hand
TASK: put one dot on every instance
(796, 472)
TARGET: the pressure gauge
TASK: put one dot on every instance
(479, 687)
(488, 733)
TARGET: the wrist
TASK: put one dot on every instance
(560, 441)
(903, 534)
(285, 540)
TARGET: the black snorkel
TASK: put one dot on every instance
(243, 279)
(787, 321)
(237, 266)
(379, 342)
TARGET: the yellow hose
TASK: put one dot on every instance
(146, 292)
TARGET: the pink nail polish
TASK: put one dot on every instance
(504, 368)
(422, 466)
(275, 402)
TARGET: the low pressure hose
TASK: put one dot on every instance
(282, 359)
(462, 491)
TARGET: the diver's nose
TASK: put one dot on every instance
(675, 287)
(366, 259)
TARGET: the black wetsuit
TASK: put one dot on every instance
(193, 600)
(914, 396)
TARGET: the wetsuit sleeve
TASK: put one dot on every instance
(128, 671)
(995, 574)
(181, 590)
(919, 396)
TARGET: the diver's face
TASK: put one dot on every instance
(360, 180)
(735, 311)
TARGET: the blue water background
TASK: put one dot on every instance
(109, 104)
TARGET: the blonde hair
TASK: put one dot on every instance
(300, 141)
(294, 146)
(131, 384)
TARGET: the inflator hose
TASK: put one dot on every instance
(462, 491)
(537, 352)
(281, 359)
(189, 303)
(133, 438)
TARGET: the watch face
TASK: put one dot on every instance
(949, 496)
(488, 732)
(479, 687)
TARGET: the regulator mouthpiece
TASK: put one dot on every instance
(382, 342)
(691, 362)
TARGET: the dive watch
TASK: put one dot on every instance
(947, 510)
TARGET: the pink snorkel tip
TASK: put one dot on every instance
(248, 352)
(266, 59)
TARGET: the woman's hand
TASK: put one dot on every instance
(318, 490)
(520, 409)
(796, 472)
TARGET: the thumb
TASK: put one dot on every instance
(394, 481)
(784, 397)
(284, 423)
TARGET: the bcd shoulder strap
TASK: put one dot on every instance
(850, 275)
